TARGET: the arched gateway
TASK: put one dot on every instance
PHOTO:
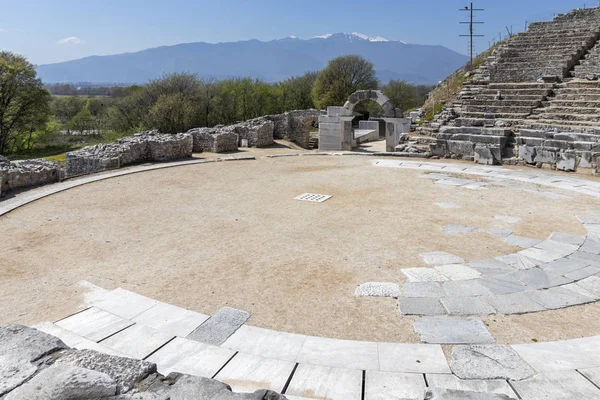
(336, 131)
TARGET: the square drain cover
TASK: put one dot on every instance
(316, 198)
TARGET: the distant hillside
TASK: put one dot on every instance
(271, 61)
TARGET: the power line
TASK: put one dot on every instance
(471, 35)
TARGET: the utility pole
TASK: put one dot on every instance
(471, 35)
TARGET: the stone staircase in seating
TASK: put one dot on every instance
(522, 105)
(589, 67)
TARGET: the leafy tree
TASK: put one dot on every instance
(296, 92)
(171, 113)
(24, 103)
(342, 77)
(404, 95)
(82, 122)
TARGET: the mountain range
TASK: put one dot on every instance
(271, 61)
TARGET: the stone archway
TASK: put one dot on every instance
(389, 110)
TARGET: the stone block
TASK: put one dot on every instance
(545, 156)
(566, 161)
(452, 330)
(527, 153)
(461, 148)
(125, 372)
(488, 155)
(378, 289)
(467, 306)
(559, 144)
(220, 326)
(585, 160)
(65, 382)
(488, 362)
(420, 306)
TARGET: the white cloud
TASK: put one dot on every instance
(70, 40)
(2, 30)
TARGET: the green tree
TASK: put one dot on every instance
(24, 103)
(296, 92)
(171, 113)
(342, 77)
(404, 95)
(83, 121)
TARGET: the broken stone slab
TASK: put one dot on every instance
(465, 306)
(492, 267)
(441, 258)
(378, 289)
(458, 272)
(465, 288)
(502, 284)
(420, 306)
(514, 303)
(217, 329)
(454, 229)
(520, 241)
(178, 386)
(126, 372)
(20, 348)
(423, 289)
(63, 382)
(488, 362)
(424, 275)
(558, 297)
(27, 343)
(452, 330)
(452, 394)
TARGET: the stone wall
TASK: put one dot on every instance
(216, 140)
(141, 147)
(295, 125)
(39, 366)
(258, 132)
(26, 173)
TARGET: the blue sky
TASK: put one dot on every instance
(49, 31)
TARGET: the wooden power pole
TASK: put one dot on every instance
(471, 34)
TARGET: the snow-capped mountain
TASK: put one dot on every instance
(272, 61)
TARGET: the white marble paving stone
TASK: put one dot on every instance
(591, 284)
(171, 319)
(583, 273)
(542, 255)
(412, 358)
(536, 278)
(266, 343)
(389, 385)
(574, 287)
(449, 381)
(503, 284)
(465, 288)
(420, 306)
(458, 272)
(423, 275)
(452, 330)
(492, 267)
(593, 374)
(558, 297)
(447, 205)
(563, 266)
(563, 249)
(329, 383)
(248, 373)
(94, 324)
(137, 341)
(378, 289)
(595, 212)
(190, 357)
(441, 258)
(568, 238)
(339, 353)
(520, 241)
(501, 232)
(124, 303)
(518, 261)
(69, 338)
(508, 219)
(422, 289)
(465, 306)
(454, 229)
(514, 303)
(561, 355)
(563, 385)
(589, 219)
(87, 344)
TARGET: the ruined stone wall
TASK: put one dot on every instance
(143, 146)
(216, 140)
(258, 132)
(295, 125)
(26, 173)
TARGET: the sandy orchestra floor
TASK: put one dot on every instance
(207, 236)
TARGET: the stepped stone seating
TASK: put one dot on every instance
(589, 67)
(516, 105)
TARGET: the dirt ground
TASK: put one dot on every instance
(231, 234)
